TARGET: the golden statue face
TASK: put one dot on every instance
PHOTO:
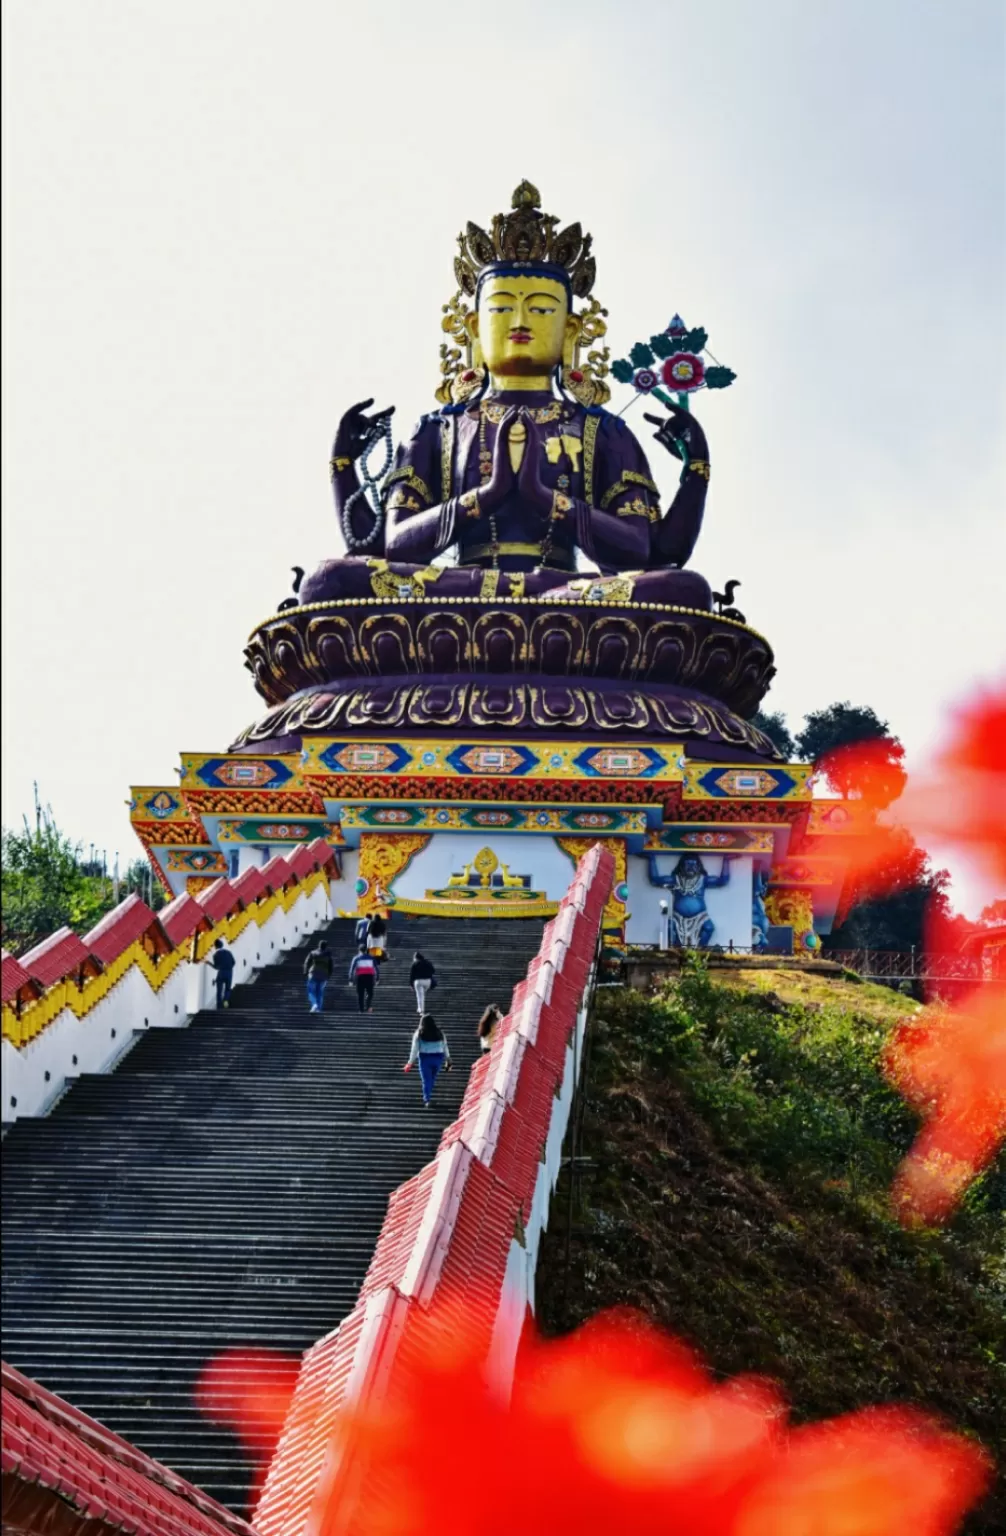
(521, 325)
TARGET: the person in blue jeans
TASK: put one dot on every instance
(363, 970)
(430, 1049)
(318, 971)
(222, 961)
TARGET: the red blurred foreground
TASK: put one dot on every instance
(950, 1067)
(960, 801)
(248, 1391)
(618, 1430)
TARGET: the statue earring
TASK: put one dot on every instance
(472, 381)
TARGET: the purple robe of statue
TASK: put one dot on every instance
(608, 510)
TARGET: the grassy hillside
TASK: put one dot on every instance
(738, 1142)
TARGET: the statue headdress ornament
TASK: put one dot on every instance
(524, 240)
(525, 237)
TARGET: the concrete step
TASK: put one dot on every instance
(226, 1184)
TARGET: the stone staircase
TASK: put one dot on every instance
(225, 1186)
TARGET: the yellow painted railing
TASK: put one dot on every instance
(34, 1016)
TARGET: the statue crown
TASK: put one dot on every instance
(526, 237)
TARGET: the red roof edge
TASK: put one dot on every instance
(16, 979)
(277, 872)
(218, 899)
(302, 862)
(249, 886)
(56, 957)
(180, 919)
(324, 853)
(164, 1501)
(126, 923)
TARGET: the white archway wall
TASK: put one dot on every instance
(448, 852)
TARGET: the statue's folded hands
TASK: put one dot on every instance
(514, 476)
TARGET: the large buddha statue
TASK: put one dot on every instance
(509, 567)
(523, 472)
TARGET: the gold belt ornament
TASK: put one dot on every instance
(484, 552)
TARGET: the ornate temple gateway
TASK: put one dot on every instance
(513, 660)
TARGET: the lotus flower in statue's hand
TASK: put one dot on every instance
(683, 371)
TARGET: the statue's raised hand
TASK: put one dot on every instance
(680, 434)
(502, 479)
(355, 428)
(534, 492)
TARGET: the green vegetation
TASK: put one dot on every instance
(737, 1146)
(47, 885)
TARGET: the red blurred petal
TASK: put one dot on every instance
(249, 1392)
(882, 1472)
(614, 1429)
(952, 1068)
(618, 1429)
(980, 741)
(963, 801)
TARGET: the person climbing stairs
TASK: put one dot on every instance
(225, 1186)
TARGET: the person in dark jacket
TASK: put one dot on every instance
(363, 970)
(430, 1049)
(318, 971)
(421, 978)
(222, 961)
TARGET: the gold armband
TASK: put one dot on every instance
(339, 463)
(470, 502)
(699, 467)
(561, 505)
(417, 483)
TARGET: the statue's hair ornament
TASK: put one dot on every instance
(526, 235)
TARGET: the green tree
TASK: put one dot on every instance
(855, 752)
(139, 879)
(44, 887)
(859, 756)
(773, 724)
(898, 920)
(840, 725)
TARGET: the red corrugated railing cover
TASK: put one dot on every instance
(277, 872)
(57, 957)
(121, 927)
(322, 851)
(47, 1442)
(181, 918)
(15, 977)
(302, 862)
(218, 900)
(449, 1230)
(249, 886)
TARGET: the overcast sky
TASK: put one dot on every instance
(227, 220)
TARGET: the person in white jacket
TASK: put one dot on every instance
(430, 1049)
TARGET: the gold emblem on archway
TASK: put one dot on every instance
(485, 864)
(483, 888)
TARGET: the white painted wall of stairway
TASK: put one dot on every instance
(36, 1074)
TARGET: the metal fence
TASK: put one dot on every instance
(881, 964)
(920, 965)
